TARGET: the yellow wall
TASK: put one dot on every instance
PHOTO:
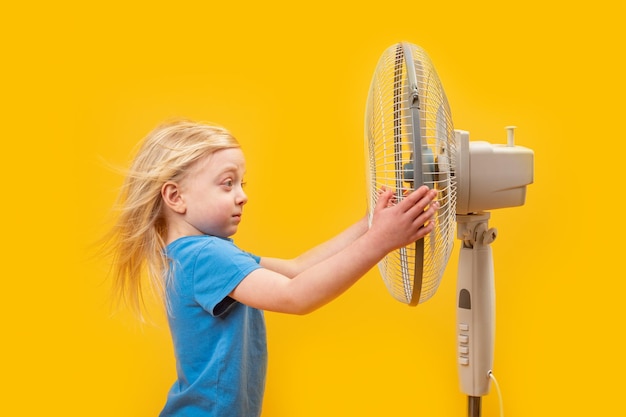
(81, 84)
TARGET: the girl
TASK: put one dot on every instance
(181, 202)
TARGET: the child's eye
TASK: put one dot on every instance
(230, 183)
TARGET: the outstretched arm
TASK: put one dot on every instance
(293, 267)
(320, 282)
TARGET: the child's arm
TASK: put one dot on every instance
(318, 283)
(292, 267)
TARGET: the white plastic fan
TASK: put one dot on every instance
(410, 141)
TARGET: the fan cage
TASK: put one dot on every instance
(407, 111)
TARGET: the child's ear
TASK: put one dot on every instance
(170, 192)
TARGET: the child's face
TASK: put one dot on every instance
(213, 193)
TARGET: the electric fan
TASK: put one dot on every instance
(410, 141)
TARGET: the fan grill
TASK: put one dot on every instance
(398, 123)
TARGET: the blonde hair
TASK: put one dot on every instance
(137, 240)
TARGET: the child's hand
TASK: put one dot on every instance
(393, 200)
(397, 225)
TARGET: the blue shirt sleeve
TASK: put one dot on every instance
(219, 267)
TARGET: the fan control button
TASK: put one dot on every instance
(463, 339)
(463, 361)
(463, 327)
(463, 350)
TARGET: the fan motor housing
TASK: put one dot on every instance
(491, 176)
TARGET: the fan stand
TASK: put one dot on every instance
(475, 307)
(473, 406)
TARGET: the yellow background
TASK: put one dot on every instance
(82, 83)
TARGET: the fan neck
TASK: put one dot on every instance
(474, 231)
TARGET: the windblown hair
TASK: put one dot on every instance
(136, 243)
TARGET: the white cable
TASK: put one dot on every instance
(495, 382)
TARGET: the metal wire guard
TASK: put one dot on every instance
(407, 112)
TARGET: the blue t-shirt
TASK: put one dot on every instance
(220, 344)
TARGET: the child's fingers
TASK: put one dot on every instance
(426, 221)
(384, 198)
(419, 199)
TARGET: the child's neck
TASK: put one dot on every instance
(178, 228)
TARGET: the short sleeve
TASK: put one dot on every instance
(219, 267)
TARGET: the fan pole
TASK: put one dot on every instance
(475, 308)
(473, 406)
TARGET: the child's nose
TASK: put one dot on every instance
(242, 198)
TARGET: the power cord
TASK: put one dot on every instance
(495, 382)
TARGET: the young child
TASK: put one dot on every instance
(181, 202)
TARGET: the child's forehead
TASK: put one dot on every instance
(222, 160)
